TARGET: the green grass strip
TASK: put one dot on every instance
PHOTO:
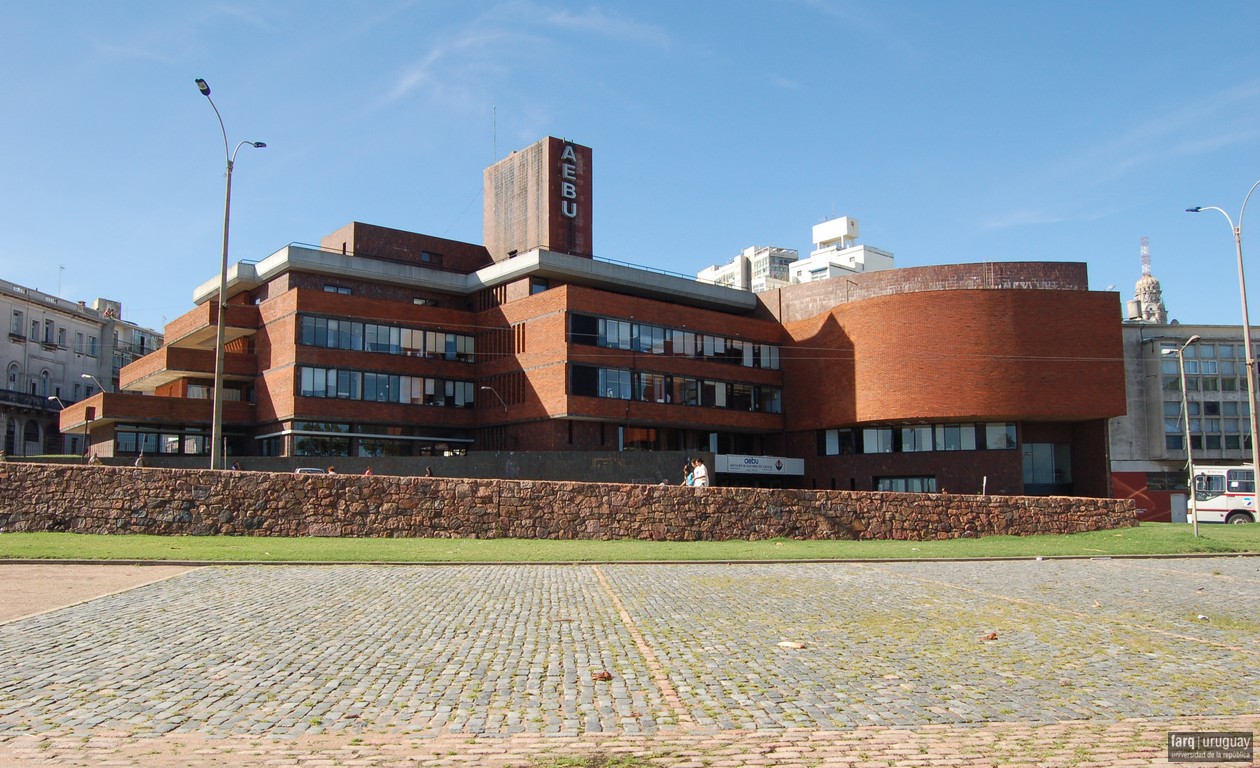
(1147, 539)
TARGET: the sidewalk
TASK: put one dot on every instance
(1123, 744)
(1076, 663)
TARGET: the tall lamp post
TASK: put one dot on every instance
(1185, 413)
(216, 418)
(63, 407)
(496, 394)
(95, 380)
(1250, 354)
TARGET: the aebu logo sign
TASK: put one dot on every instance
(568, 182)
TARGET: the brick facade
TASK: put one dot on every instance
(955, 355)
(1007, 345)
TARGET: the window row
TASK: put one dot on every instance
(1218, 416)
(659, 340)
(188, 442)
(385, 387)
(1204, 367)
(623, 384)
(53, 335)
(331, 333)
(1204, 384)
(919, 438)
(1218, 426)
(1206, 351)
(1172, 408)
(912, 484)
(1231, 442)
(368, 440)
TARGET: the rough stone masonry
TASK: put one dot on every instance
(102, 499)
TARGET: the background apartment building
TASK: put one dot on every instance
(1148, 444)
(756, 269)
(58, 353)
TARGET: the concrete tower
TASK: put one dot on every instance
(539, 197)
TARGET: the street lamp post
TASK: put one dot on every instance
(101, 387)
(95, 380)
(63, 407)
(1185, 413)
(1250, 354)
(216, 418)
(496, 394)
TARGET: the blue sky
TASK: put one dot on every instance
(954, 132)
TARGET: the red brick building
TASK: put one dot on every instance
(389, 343)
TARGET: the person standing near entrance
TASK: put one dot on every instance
(699, 473)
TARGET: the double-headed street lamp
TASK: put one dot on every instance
(1185, 412)
(1250, 354)
(216, 418)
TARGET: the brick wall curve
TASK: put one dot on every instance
(120, 500)
(983, 355)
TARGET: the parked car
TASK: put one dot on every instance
(310, 471)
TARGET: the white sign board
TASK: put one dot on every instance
(758, 465)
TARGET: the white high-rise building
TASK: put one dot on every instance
(756, 269)
(835, 253)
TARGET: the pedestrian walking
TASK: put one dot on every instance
(699, 473)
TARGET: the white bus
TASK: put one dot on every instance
(1225, 494)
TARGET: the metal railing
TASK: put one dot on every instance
(26, 399)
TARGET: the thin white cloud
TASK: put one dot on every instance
(1022, 218)
(894, 28)
(1042, 216)
(786, 83)
(470, 55)
(168, 42)
(468, 62)
(1221, 119)
(245, 13)
(1226, 118)
(596, 22)
(157, 51)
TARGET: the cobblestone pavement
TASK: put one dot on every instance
(930, 664)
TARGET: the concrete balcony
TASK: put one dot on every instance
(196, 328)
(174, 363)
(105, 408)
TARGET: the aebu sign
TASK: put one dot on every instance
(568, 182)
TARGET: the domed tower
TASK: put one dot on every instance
(1148, 293)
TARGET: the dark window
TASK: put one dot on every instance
(584, 380)
(584, 329)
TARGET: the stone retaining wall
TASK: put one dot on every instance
(100, 499)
